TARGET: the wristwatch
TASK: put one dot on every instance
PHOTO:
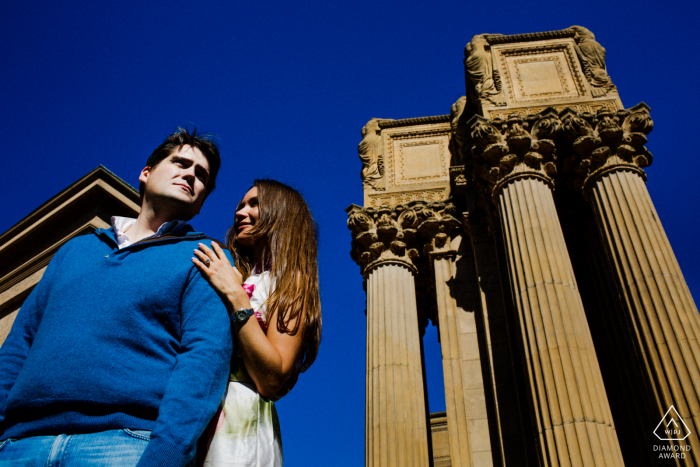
(241, 315)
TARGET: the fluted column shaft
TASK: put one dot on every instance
(571, 407)
(658, 301)
(451, 363)
(513, 165)
(465, 402)
(396, 431)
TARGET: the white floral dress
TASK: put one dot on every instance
(247, 431)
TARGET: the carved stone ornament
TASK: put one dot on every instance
(607, 141)
(478, 66)
(395, 234)
(459, 130)
(370, 150)
(504, 150)
(460, 133)
(592, 56)
(438, 228)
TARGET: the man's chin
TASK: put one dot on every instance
(179, 207)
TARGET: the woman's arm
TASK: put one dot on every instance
(270, 358)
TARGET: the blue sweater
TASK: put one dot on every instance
(131, 338)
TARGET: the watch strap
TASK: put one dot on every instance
(241, 315)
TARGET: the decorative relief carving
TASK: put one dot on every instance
(550, 65)
(607, 140)
(406, 165)
(421, 161)
(478, 66)
(404, 197)
(590, 107)
(396, 234)
(458, 178)
(506, 147)
(370, 150)
(592, 56)
(560, 55)
(459, 131)
(505, 150)
(438, 229)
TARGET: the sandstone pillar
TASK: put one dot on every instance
(568, 398)
(395, 417)
(656, 298)
(465, 401)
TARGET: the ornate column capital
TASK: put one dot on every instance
(518, 147)
(437, 229)
(387, 234)
(395, 234)
(607, 141)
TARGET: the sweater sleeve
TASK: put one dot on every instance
(16, 347)
(198, 380)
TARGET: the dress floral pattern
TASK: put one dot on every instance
(247, 431)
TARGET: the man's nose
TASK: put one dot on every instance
(189, 176)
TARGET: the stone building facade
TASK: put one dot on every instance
(521, 224)
(27, 247)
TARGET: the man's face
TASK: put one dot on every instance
(177, 183)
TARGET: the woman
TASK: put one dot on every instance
(273, 242)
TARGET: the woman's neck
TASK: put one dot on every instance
(259, 267)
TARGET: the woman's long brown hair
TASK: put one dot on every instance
(287, 238)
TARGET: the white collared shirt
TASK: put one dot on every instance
(122, 224)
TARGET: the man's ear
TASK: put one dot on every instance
(144, 174)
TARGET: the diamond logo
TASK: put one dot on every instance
(672, 427)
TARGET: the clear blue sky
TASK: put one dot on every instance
(287, 86)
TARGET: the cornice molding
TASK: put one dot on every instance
(494, 39)
(414, 121)
(80, 208)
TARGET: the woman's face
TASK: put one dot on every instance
(247, 216)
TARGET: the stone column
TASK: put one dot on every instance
(465, 401)
(610, 154)
(568, 398)
(395, 419)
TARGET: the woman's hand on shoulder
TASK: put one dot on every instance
(223, 277)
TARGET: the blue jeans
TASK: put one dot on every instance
(113, 448)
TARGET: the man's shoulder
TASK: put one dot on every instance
(188, 238)
(82, 240)
(213, 240)
(171, 249)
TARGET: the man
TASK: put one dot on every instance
(120, 355)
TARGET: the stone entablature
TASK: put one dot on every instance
(405, 160)
(526, 73)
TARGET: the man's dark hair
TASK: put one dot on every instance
(202, 141)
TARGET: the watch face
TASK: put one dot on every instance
(241, 315)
